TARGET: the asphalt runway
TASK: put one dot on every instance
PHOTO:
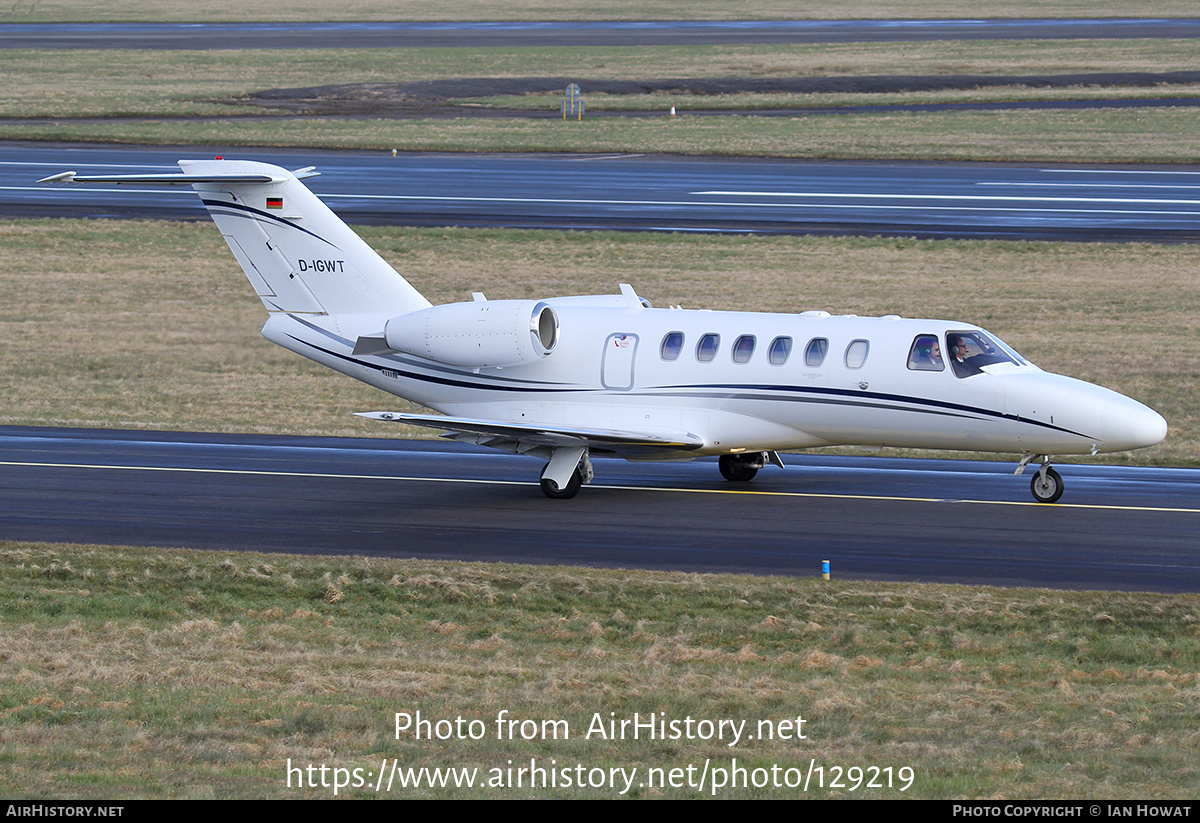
(657, 193)
(560, 34)
(878, 518)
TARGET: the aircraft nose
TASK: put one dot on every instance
(1130, 425)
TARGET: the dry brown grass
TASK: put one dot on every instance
(58, 84)
(178, 97)
(1147, 135)
(159, 673)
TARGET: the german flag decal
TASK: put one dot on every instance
(274, 202)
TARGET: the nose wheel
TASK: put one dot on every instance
(1047, 484)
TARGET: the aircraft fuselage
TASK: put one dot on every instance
(610, 371)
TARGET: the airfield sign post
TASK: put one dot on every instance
(572, 102)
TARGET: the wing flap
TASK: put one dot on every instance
(524, 436)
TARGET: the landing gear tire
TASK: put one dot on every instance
(551, 489)
(736, 469)
(1048, 487)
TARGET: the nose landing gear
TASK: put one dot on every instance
(1047, 484)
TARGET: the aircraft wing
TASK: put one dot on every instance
(524, 438)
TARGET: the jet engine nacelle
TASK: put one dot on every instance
(482, 333)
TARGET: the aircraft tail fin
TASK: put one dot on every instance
(299, 256)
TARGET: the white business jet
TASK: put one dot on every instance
(567, 378)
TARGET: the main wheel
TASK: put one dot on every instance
(1047, 488)
(551, 489)
(735, 467)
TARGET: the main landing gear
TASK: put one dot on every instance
(741, 467)
(1047, 484)
(550, 488)
(569, 468)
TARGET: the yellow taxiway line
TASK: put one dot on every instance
(758, 492)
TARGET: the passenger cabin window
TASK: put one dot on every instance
(814, 353)
(706, 349)
(856, 354)
(926, 354)
(781, 347)
(743, 348)
(970, 352)
(672, 345)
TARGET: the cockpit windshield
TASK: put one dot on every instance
(970, 351)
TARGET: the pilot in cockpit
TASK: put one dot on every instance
(961, 356)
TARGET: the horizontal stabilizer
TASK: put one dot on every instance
(535, 434)
(178, 179)
(159, 179)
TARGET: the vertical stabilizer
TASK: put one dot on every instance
(299, 256)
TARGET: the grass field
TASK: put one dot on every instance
(164, 673)
(193, 96)
(134, 324)
(107, 82)
(1149, 135)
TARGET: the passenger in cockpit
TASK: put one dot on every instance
(926, 354)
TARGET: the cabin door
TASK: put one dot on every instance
(616, 364)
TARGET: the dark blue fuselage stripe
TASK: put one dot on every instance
(894, 398)
(848, 396)
(444, 381)
(236, 207)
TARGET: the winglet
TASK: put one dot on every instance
(61, 177)
(388, 416)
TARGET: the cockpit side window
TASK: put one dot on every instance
(856, 353)
(970, 351)
(926, 354)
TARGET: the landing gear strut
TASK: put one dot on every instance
(1047, 484)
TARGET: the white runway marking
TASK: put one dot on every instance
(950, 197)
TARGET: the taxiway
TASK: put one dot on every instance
(918, 520)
